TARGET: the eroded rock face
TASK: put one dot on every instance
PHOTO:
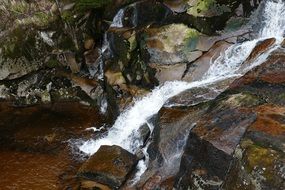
(260, 156)
(171, 130)
(248, 141)
(109, 166)
(213, 140)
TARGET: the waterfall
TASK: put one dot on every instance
(118, 19)
(274, 23)
(125, 133)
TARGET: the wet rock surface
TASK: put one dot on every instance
(252, 133)
(109, 166)
(66, 66)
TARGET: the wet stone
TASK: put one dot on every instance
(109, 166)
(260, 156)
(260, 48)
(283, 44)
(212, 142)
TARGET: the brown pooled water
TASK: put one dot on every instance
(34, 149)
(33, 171)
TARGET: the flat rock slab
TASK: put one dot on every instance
(109, 166)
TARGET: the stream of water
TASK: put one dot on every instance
(125, 133)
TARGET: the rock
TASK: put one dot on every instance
(71, 62)
(177, 6)
(268, 130)
(283, 43)
(196, 96)
(152, 183)
(137, 14)
(144, 131)
(89, 185)
(208, 8)
(172, 44)
(198, 68)
(109, 166)
(89, 43)
(140, 154)
(271, 71)
(92, 61)
(115, 78)
(260, 156)
(169, 137)
(260, 48)
(54, 9)
(211, 143)
(248, 142)
(128, 57)
(12, 69)
(169, 72)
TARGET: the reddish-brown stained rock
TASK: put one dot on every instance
(260, 156)
(271, 71)
(270, 120)
(211, 143)
(260, 48)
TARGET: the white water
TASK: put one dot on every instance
(118, 19)
(274, 22)
(124, 132)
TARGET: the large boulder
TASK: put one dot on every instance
(247, 142)
(260, 155)
(109, 166)
(169, 138)
(172, 44)
(211, 143)
(199, 67)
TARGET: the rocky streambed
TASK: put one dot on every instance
(167, 94)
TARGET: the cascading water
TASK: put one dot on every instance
(274, 22)
(118, 19)
(125, 133)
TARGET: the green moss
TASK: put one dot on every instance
(208, 7)
(191, 39)
(260, 157)
(51, 63)
(234, 24)
(18, 44)
(23, 13)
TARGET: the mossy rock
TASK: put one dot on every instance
(92, 4)
(209, 8)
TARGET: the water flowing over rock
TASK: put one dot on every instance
(166, 94)
(218, 138)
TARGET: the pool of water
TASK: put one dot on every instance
(35, 152)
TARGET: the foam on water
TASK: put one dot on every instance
(274, 23)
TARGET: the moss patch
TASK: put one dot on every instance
(208, 8)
